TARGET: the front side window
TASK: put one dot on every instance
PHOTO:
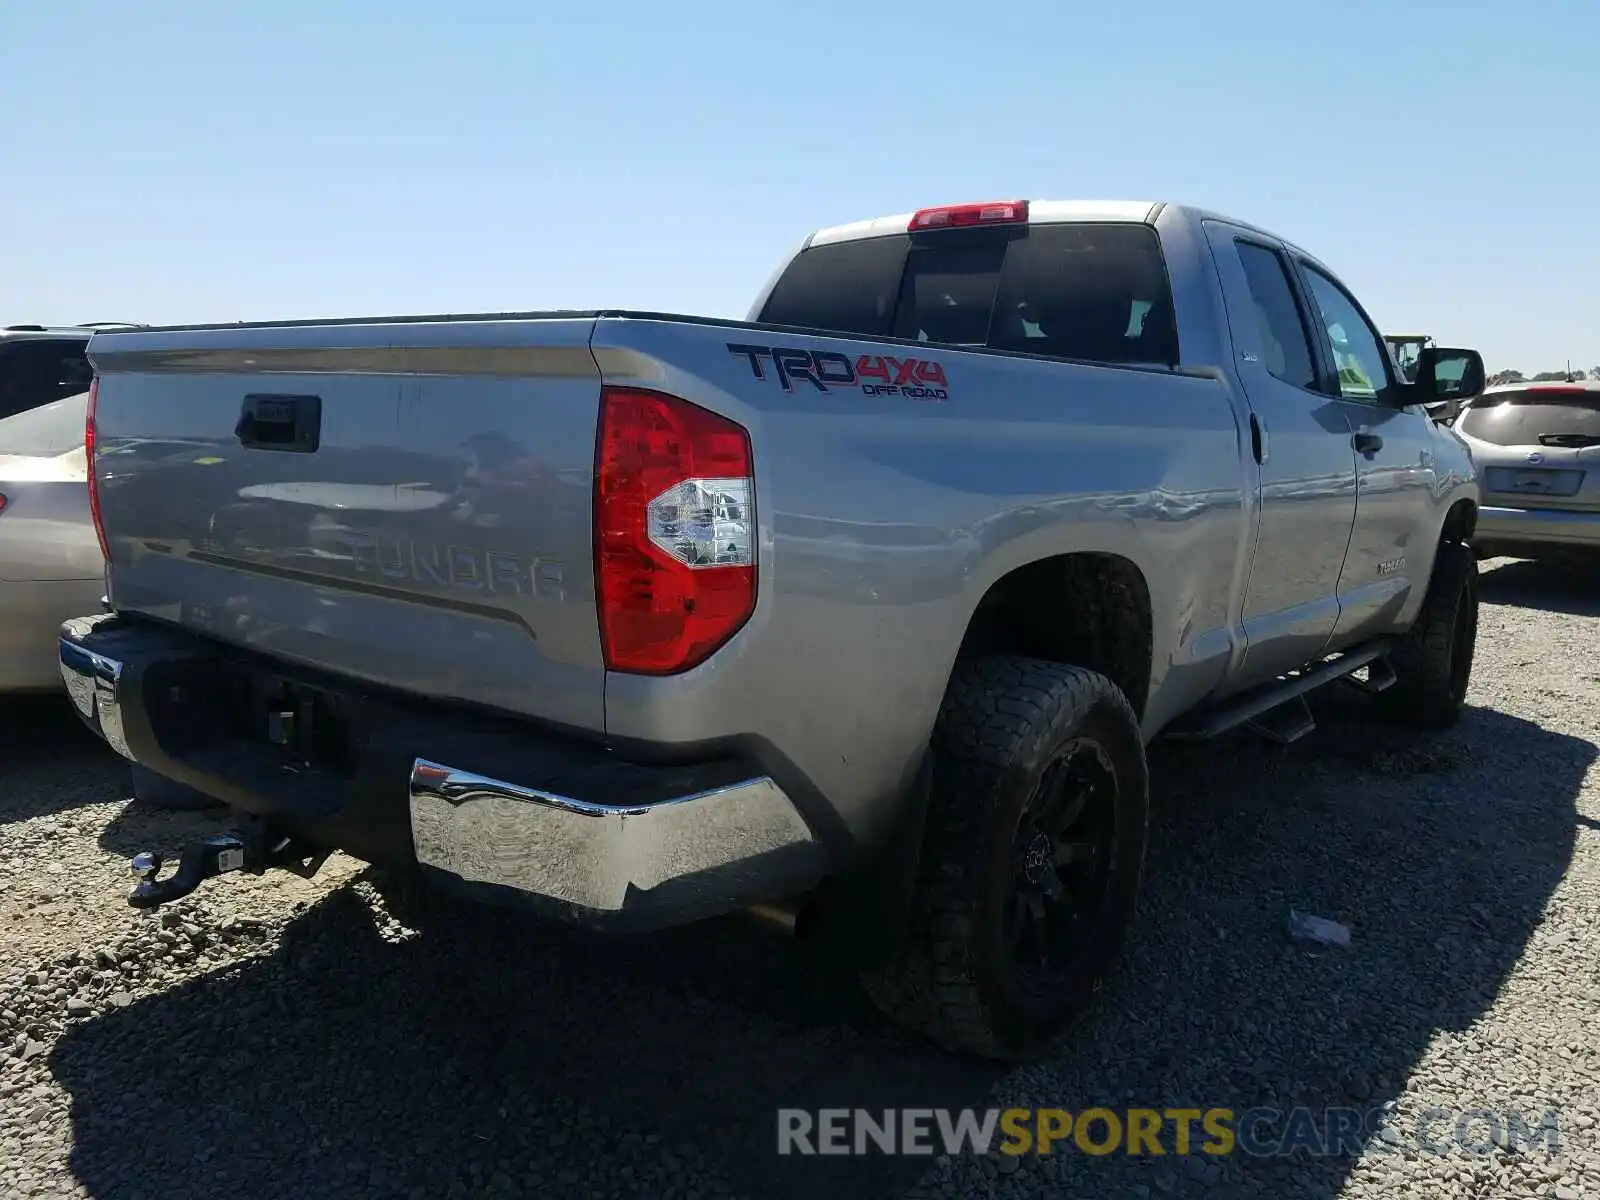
(1359, 354)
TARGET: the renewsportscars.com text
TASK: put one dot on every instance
(1153, 1132)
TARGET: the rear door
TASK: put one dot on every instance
(1307, 467)
(1393, 542)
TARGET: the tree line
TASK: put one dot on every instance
(1500, 377)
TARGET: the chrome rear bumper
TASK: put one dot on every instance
(92, 682)
(688, 850)
(596, 857)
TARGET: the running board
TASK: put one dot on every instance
(1285, 724)
(1380, 678)
(1255, 707)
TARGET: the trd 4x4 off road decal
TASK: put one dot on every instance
(871, 374)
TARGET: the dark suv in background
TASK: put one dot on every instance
(39, 364)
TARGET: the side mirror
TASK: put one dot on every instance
(1447, 378)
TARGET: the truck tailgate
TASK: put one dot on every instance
(408, 503)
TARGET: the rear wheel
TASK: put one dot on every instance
(1031, 859)
(1433, 661)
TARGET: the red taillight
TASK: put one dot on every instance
(88, 458)
(952, 216)
(675, 561)
(3, 503)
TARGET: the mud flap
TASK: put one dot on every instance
(856, 921)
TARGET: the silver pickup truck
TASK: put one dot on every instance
(859, 614)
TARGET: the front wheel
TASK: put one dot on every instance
(1031, 860)
(1433, 661)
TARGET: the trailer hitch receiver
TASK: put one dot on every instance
(253, 849)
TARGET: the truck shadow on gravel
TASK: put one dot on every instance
(49, 763)
(494, 1056)
(1568, 588)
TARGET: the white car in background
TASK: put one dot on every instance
(51, 563)
(1537, 449)
(50, 560)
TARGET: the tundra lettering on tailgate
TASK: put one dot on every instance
(871, 374)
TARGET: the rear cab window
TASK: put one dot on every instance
(1559, 417)
(1095, 291)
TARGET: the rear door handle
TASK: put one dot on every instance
(1367, 442)
(279, 422)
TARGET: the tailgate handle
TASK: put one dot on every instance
(274, 422)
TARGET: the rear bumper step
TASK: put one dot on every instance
(506, 811)
(594, 857)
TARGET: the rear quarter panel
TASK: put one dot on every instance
(884, 519)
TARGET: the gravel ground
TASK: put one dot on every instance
(282, 1037)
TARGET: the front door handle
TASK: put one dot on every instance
(1367, 442)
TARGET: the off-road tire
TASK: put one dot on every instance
(1003, 720)
(157, 791)
(1433, 660)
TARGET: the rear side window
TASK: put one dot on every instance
(1555, 417)
(38, 372)
(1095, 291)
(1285, 344)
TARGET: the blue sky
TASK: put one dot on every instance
(167, 161)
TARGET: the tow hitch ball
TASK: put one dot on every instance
(253, 850)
